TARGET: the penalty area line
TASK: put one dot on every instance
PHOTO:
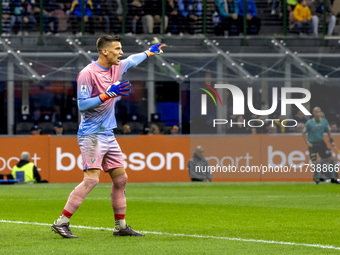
(192, 236)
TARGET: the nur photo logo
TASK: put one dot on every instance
(204, 98)
(239, 104)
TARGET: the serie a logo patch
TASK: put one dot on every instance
(83, 90)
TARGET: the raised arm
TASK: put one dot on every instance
(135, 59)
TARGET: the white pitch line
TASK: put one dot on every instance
(194, 236)
(165, 197)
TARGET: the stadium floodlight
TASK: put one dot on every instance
(298, 61)
(230, 61)
(35, 76)
(79, 49)
(160, 60)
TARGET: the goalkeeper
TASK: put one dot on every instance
(313, 136)
(97, 86)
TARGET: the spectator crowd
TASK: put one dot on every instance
(141, 16)
(181, 17)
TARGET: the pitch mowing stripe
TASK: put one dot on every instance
(194, 236)
(167, 197)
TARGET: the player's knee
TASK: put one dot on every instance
(91, 182)
(120, 180)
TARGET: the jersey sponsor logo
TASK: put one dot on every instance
(92, 160)
(83, 90)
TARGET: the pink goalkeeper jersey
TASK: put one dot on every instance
(92, 81)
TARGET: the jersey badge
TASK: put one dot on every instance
(83, 90)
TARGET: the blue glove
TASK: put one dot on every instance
(116, 90)
(155, 49)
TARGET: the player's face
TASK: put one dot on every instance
(114, 53)
(317, 112)
(58, 130)
(334, 128)
(35, 132)
(200, 152)
(174, 130)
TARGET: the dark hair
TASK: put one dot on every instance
(103, 41)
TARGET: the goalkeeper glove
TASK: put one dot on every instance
(116, 90)
(155, 49)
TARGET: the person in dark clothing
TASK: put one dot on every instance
(58, 128)
(29, 169)
(22, 11)
(48, 16)
(35, 130)
(228, 13)
(134, 16)
(316, 8)
(253, 22)
(108, 11)
(172, 13)
(153, 14)
(76, 16)
(198, 167)
(190, 13)
(8, 19)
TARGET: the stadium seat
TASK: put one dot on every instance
(47, 128)
(136, 127)
(70, 128)
(24, 128)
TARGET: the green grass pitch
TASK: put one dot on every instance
(178, 218)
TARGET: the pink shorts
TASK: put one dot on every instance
(100, 151)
